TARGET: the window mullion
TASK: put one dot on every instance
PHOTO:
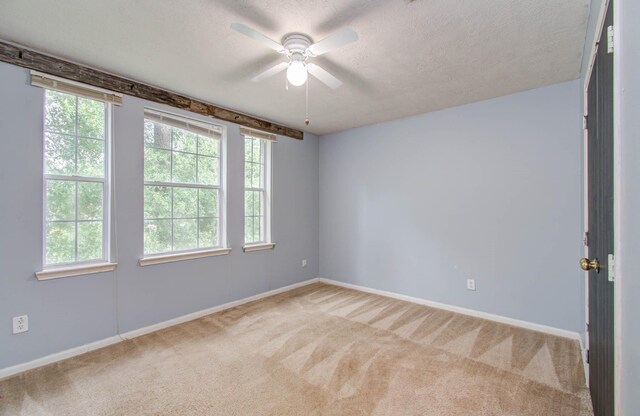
(197, 217)
(172, 189)
(75, 129)
(77, 178)
(76, 222)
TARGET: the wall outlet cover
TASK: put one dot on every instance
(304, 263)
(20, 324)
(471, 284)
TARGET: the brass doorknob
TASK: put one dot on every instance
(586, 264)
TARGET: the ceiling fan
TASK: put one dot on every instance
(299, 49)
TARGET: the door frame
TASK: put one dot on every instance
(617, 295)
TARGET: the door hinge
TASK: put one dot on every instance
(610, 39)
(611, 268)
(585, 240)
(584, 122)
(588, 356)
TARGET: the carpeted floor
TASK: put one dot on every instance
(316, 350)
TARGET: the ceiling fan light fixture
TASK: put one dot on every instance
(297, 73)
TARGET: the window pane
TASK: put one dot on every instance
(248, 152)
(184, 168)
(208, 146)
(90, 201)
(157, 165)
(208, 233)
(185, 234)
(149, 128)
(157, 202)
(91, 118)
(91, 157)
(157, 236)
(185, 202)
(248, 230)
(60, 243)
(248, 173)
(248, 203)
(208, 202)
(60, 112)
(61, 200)
(184, 141)
(257, 150)
(256, 176)
(208, 170)
(157, 135)
(59, 154)
(257, 229)
(90, 240)
(258, 203)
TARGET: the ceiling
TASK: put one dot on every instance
(412, 57)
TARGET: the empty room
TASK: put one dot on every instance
(336, 207)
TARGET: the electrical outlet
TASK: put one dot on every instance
(471, 284)
(20, 324)
(304, 263)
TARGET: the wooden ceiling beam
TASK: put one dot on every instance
(28, 58)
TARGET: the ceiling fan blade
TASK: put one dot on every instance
(334, 41)
(324, 77)
(257, 36)
(270, 72)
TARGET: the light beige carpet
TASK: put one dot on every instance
(317, 350)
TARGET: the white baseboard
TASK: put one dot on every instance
(72, 352)
(58, 356)
(484, 315)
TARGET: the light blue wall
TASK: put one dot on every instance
(627, 72)
(69, 312)
(490, 191)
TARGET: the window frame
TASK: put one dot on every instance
(267, 191)
(196, 252)
(76, 268)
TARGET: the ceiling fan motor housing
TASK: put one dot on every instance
(296, 43)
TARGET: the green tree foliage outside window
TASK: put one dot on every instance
(182, 189)
(74, 161)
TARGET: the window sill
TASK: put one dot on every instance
(75, 271)
(248, 248)
(169, 258)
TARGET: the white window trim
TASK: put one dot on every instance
(187, 255)
(92, 266)
(268, 243)
(223, 248)
(59, 272)
(248, 248)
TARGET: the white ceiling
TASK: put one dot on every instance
(412, 57)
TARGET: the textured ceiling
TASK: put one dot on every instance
(412, 57)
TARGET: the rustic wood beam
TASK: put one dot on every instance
(27, 58)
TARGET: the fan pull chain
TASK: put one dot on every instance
(306, 107)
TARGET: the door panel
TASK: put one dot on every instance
(600, 212)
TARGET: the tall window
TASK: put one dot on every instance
(183, 193)
(257, 174)
(76, 161)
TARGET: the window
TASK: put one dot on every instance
(76, 185)
(257, 178)
(183, 192)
